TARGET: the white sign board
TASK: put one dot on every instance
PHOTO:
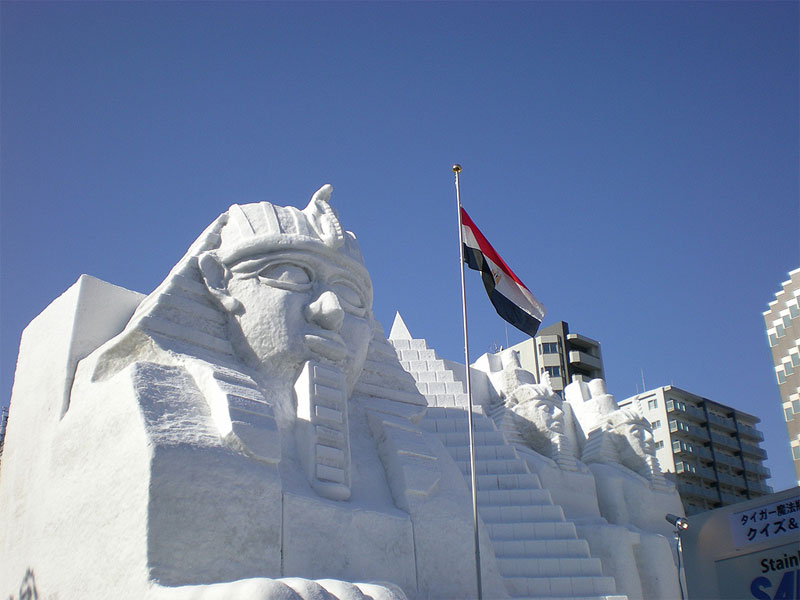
(766, 522)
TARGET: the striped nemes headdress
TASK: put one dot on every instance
(251, 229)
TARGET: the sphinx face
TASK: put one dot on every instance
(299, 305)
(540, 421)
(639, 438)
(547, 416)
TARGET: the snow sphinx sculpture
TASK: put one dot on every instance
(245, 431)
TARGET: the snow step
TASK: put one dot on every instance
(532, 531)
(441, 412)
(519, 514)
(496, 467)
(550, 567)
(509, 481)
(485, 452)
(514, 497)
(542, 548)
(456, 439)
(560, 587)
(455, 424)
(407, 354)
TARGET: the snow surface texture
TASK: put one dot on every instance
(247, 431)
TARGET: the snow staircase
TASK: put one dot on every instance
(538, 552)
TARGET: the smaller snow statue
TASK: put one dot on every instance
(534, 415)
(620, 436)
(631, 490)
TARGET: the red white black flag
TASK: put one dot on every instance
(511, 299)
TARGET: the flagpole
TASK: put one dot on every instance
(457, 170)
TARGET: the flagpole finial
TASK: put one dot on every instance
(456, 168)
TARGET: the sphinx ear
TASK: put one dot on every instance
(216, 276)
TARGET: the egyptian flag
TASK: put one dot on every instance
(511, 299)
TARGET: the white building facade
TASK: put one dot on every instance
(782, 322)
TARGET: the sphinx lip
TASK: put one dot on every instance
(329, 345)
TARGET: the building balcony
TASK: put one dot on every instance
(707, 473)
(725, 441)
(682, 448)
(585, 361)
(731, 498)
(699, 433)
(758, 469)
(688, 469)
(759, 487)
(725, 423)
(581, 342)
(692, 431)
(681, 408)
(750, 432)
(690, 489)
(753, 450)
(727, 459)
(736, 482)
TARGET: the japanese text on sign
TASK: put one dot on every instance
(766, 522)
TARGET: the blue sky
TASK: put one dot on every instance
(635, 163)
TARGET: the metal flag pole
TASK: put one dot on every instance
(457, 170)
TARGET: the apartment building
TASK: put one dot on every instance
(782, 321)
(565, 356)
(712, 449)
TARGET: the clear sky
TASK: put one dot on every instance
(635, 163)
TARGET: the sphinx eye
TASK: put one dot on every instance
(286, 275)
(349, 294)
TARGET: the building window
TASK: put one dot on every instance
(795, 359)
(781, 376)
(794, 311)
(773, 339)
(796, 452)
(553, 371)
(651, 404)
(659, 445)
(656, 424)
(788, 413)
(780, 330)
(549, 348)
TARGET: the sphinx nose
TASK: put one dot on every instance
(326, 311)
